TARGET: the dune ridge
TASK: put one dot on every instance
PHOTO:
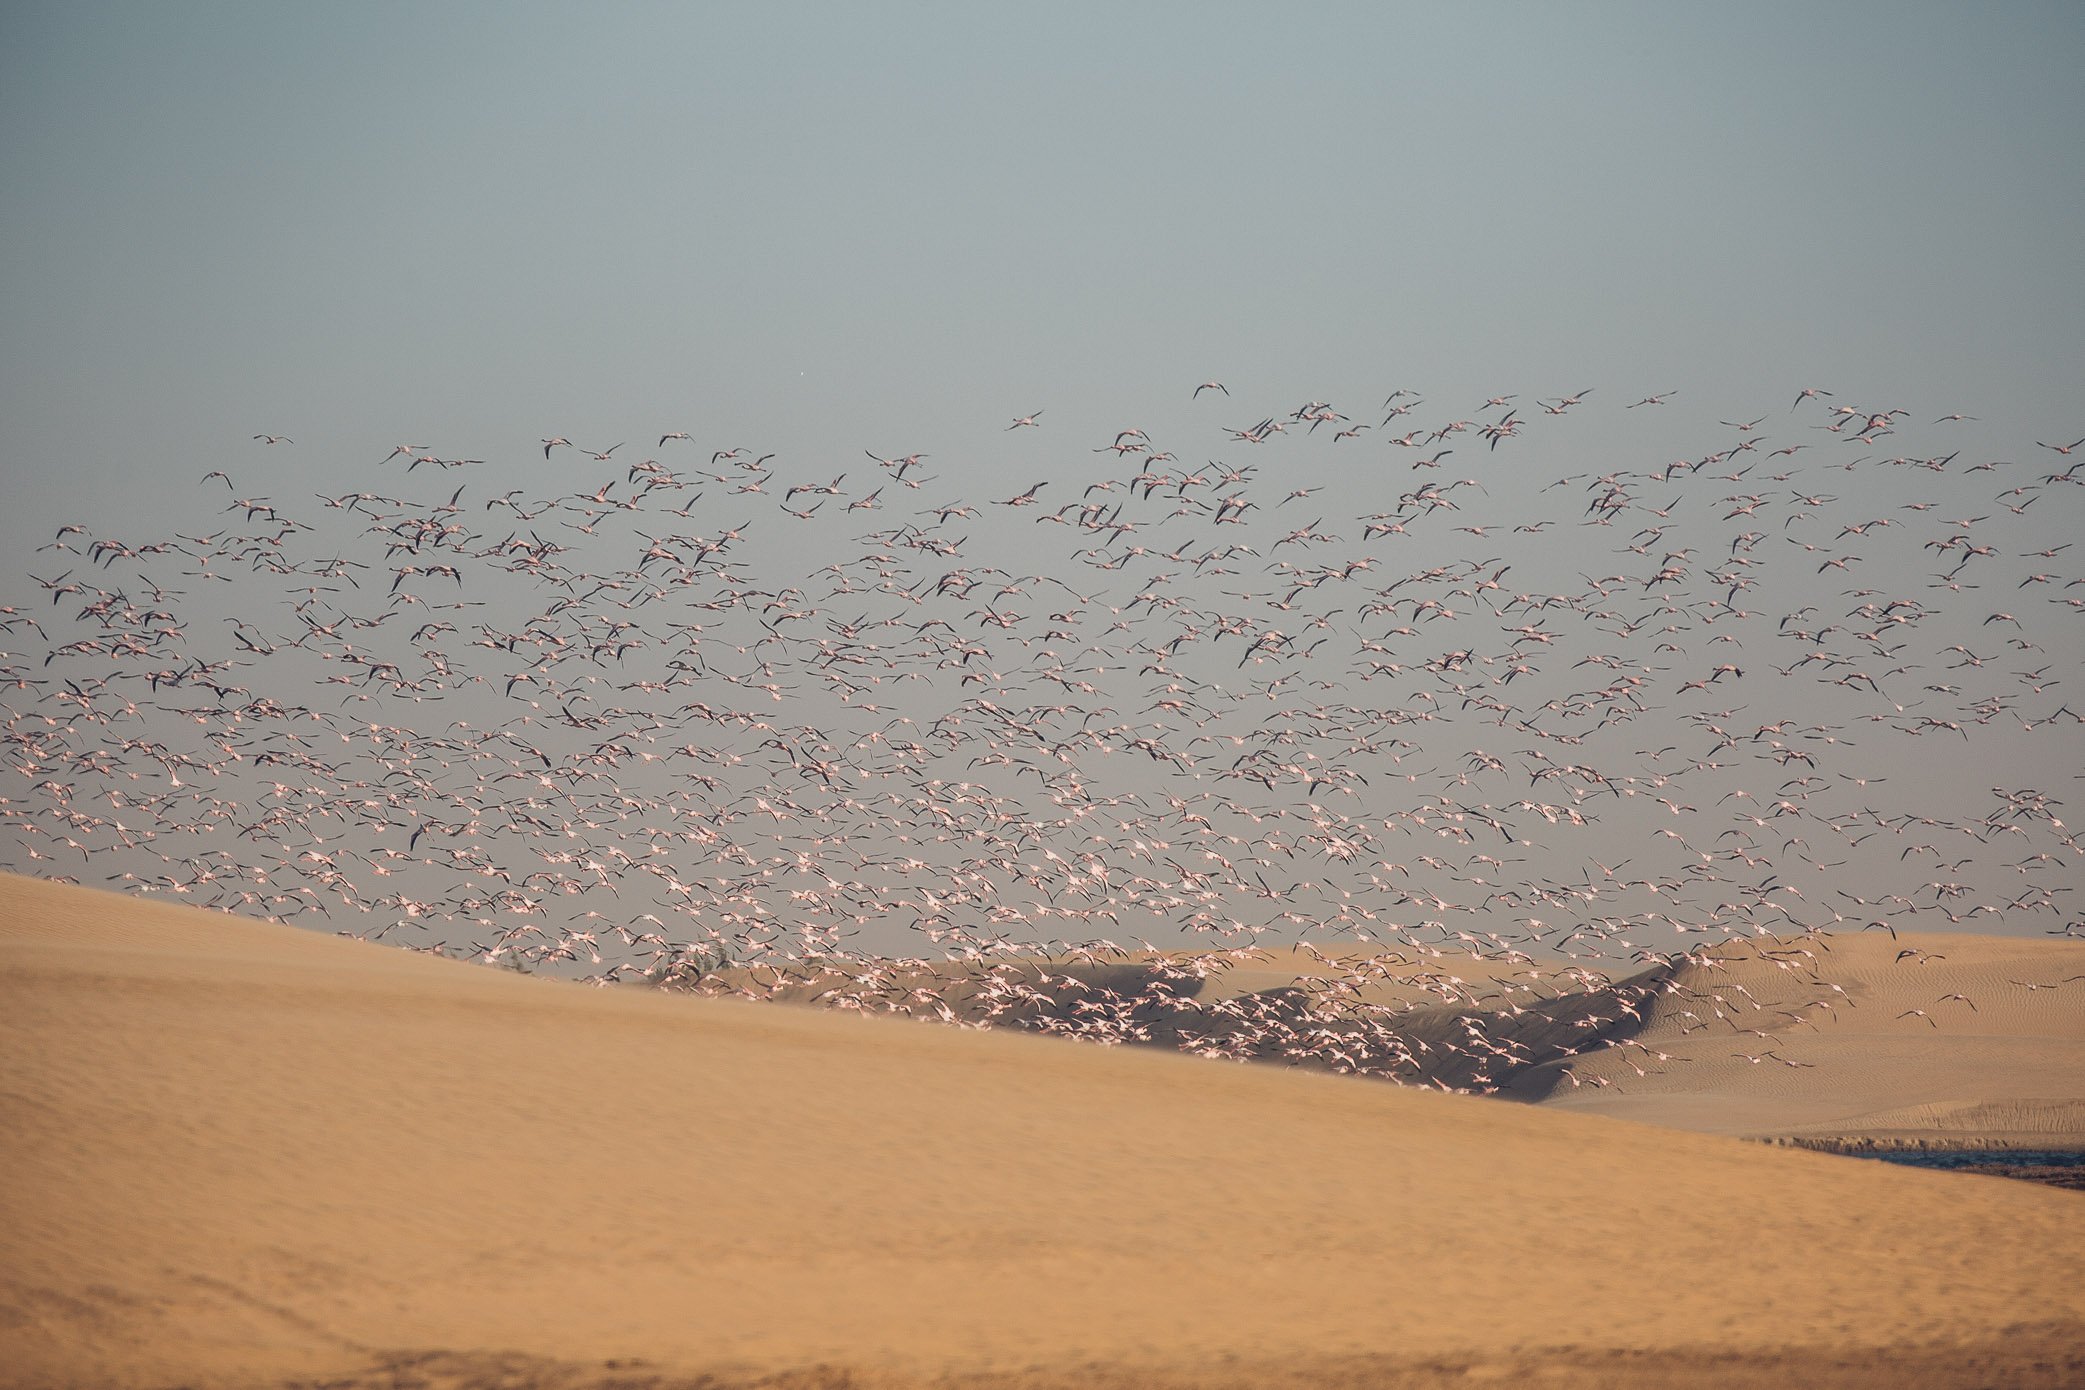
(244, 1154)
(1958, 1040)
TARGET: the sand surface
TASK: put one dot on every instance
(1943, 1040)
(238, 1153)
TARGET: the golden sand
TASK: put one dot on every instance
(238, 1153)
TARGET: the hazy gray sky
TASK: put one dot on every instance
(850, 226)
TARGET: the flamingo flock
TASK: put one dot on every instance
(657, 724)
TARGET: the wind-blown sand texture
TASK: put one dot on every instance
(239, 1153)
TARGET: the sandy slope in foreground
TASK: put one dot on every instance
(242, 1152)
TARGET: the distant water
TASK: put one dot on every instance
(1982, 1158)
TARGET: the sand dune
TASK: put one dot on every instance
(1943, 1039)
(1857, 1037)
(244, 1154)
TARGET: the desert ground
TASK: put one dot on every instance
(239, 1153)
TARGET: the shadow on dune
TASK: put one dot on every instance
(1509, 1040)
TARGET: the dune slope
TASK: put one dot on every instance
(1941, 1040)
(244, 1154)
